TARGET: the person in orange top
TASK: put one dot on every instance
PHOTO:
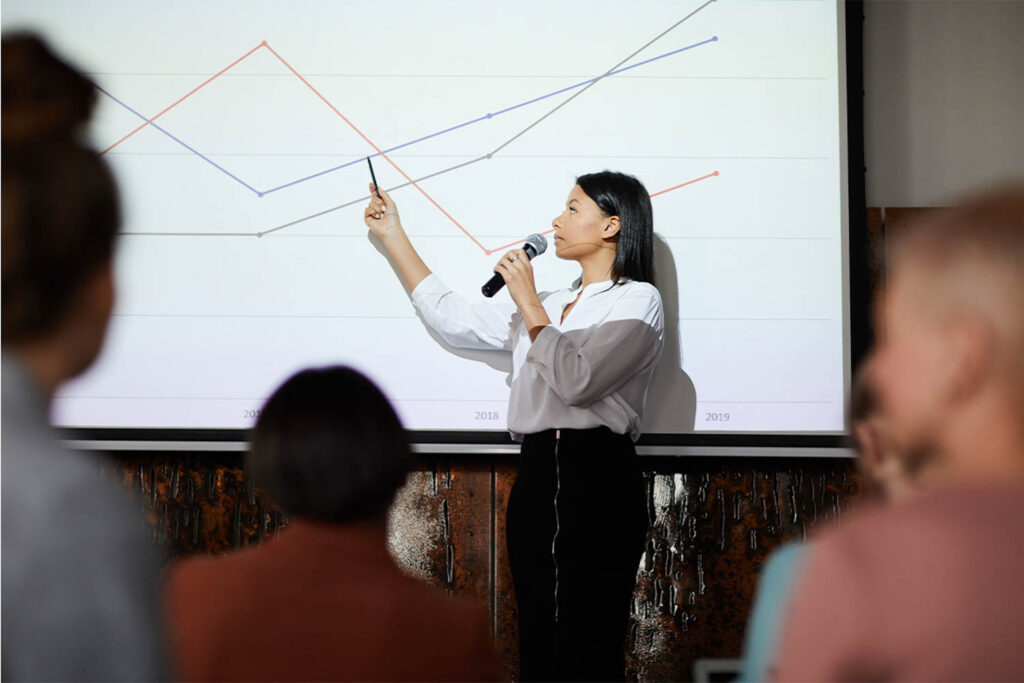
(323, 600)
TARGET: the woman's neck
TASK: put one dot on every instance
(597, 267)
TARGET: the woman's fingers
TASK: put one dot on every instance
(377, 207)
(513, 264)
(512, 257)
(386, 197)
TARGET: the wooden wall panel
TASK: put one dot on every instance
(713, 522)
(198, 503)
(506, 627)
(440, 527)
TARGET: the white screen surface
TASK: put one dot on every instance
(245, 258)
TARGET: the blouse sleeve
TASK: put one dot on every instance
(481, 325)
(583, 372)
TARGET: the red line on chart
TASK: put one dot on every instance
(377, 149)
(316, 92)
(688, 182)
(184, 97)
(653, 195)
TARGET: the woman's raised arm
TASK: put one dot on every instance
(381, 217)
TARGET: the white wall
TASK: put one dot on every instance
(944, 98)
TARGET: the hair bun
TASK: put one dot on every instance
(45, 99)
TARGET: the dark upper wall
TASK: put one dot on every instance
(943, 103)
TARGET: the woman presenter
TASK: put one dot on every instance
(582, 360)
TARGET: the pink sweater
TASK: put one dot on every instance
(929, 590)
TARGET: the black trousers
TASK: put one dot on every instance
(574, 563)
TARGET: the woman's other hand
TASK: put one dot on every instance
(517, 271)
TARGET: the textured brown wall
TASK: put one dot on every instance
(713, 522)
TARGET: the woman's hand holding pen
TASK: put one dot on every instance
(515, 268)
(381, 217)
(381, 214)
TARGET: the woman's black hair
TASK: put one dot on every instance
(622, 195)
(328, 446)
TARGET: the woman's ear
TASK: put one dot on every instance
(611, 229)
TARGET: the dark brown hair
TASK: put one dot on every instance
(60, 214)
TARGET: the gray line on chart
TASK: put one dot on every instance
(699, 401)
(187, 234)
(596, 80)
(367, 197)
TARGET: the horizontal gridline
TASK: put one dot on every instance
(397, 400)
(456, 76)
(297, 316)
(246, 398)
(401, 155)
(451, 236)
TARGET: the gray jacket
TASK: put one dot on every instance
(79, 574)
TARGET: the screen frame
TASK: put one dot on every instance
(856, 325)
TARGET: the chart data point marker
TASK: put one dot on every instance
(715, 173)
(714, 38)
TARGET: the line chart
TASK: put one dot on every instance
(578, 89)
(450, 129)
(244, 125)
(377, 152)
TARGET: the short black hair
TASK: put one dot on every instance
(622, 195)
(328, 446)
(60, 208)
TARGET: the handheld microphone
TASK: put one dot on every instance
(535, 246)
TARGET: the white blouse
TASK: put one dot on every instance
(591, 370)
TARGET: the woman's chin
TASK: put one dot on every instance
(567, 252)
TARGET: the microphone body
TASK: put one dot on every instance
(535, 246)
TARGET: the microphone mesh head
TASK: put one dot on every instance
(538, 242)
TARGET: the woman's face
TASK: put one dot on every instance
(581, 229)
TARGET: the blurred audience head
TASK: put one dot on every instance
(949, 365)
(884, 474)
(44, 97)
(60, 215)
(328, 446)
